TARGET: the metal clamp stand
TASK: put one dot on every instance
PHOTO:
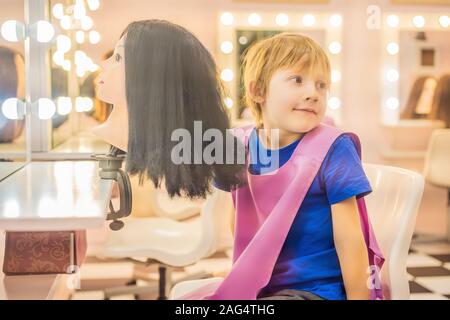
(110, 168)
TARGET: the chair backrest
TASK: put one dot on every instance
(392, 208)
(177, 208)
(437, 160)
(216, 221)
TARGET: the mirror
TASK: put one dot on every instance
(237, 30)
(415, 85)
(423, 62)
(12, 95)
(244, 39)
(73, 76)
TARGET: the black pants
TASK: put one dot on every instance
(292, 294)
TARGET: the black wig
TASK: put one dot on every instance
(172, 81)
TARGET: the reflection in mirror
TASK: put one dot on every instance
(237, 30)
(12, 95)
(415, 86)
(73, 75)
(424, 75)
(244, 39)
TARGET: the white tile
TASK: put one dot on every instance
(107, 270)
(432, 248)
(439, 285)
(210, 265)
(427, 296)
(123, 297)
(88, 295)
(421, 260)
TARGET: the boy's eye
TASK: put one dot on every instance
(322, 85)
(297, 79)
(117, 57)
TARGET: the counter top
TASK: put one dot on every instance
(54, 196)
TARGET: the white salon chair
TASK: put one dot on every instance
(176, 208)
(171, 243)
(392, 207)
(437, 165)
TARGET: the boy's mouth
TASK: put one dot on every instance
(310, 110)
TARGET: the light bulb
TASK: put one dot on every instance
(12, 30)
(392, 21)
(334, 103)
(58, 58)
(254, 19)
(46, 108)
(79, 10)
(13, 108)
(63, 43)
(80, 56)
(65, 22)
(392, 103)
(44, 31)
(67, 65)
(227, 75)
(93, 67)
(309, 20)
(419, 21)
(335, 20)
(335, 47)
(58, 11)
(80, 72)
(94, 37)
(79, 36)
(392, 75)
(444, 21)
(226, 47)
(83, 104)
(335, 76)
(228, 102)
(86, 23)
(243, 40)
(93, 4)
(392, 48)
(282, 19)
(64, 105)
(227, 19)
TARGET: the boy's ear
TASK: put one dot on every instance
(255, 92)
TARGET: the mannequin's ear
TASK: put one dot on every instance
(255, 92)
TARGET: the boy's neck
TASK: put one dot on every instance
(285, 137)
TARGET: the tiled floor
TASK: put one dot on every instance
(428, 267)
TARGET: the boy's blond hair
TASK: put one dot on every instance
(283, 51)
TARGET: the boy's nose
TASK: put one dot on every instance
(311, 98)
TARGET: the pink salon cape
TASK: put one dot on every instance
(265, 209)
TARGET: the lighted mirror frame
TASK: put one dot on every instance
(393, 23)
(330, 22)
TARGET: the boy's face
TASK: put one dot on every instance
(294, 101)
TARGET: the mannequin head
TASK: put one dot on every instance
(441, 101)
(422, 86)
(165, 79)
(12, 85)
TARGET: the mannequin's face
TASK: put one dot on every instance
(111, 81)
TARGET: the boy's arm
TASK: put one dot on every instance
(351, 248)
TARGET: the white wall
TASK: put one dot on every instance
(361, 46)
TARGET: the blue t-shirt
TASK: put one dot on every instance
(308, 260)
